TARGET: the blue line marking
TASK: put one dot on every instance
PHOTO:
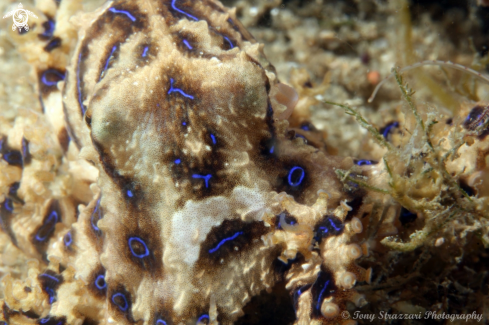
(289, 178)
(48, 31)
(388, 129)
(49, 277)
(126, 305)
(139, 240)
(99, 286)
(177, 161)
(224, 241)
(213, 138)
(229, 41)
(333, 225)
(202, 318)
(94, 225)
(68, 239)
(181, 92)
(182, 12)
(145, 51)
(363, 162)
(54, 72)
(184, 123)
(129, 193)
(78, 82)
(54, 215)
(107, 62)
(160, 322)
(321, 294)
(8, 204)
(127, 13)
(206, 178)
(50, 293)
(272, 149)
(188, 44)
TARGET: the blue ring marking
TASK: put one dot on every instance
(78, 85)
(213, 138)
(107, 62)
(139, 240)
(388, 129)
(129, 193)
(182, 12)
(321, 294)
(188, 44)
(13, 157)
(178, 161)
(127, 13)
(54, 43)
(99, 286)
(470, 118)
(289, 178)
(225, 240)
(119, 294)
(202, 318)
(54, 72)
(363, 162)
(44, 320)
(54, 215)
(205, 177)
(145, 51)
(229, 41)
(68, 239)
(178, 90)
(8, 205)
(48, 29)
(160, 321)
(93, 213)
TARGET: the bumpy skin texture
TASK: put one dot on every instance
(190, 197)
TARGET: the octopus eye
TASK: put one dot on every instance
(138, 247)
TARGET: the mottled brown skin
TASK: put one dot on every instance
(170, 101)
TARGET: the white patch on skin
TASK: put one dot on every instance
(198, 217)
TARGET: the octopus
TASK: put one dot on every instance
(162, 182)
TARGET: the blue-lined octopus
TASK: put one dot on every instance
(160, 183)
